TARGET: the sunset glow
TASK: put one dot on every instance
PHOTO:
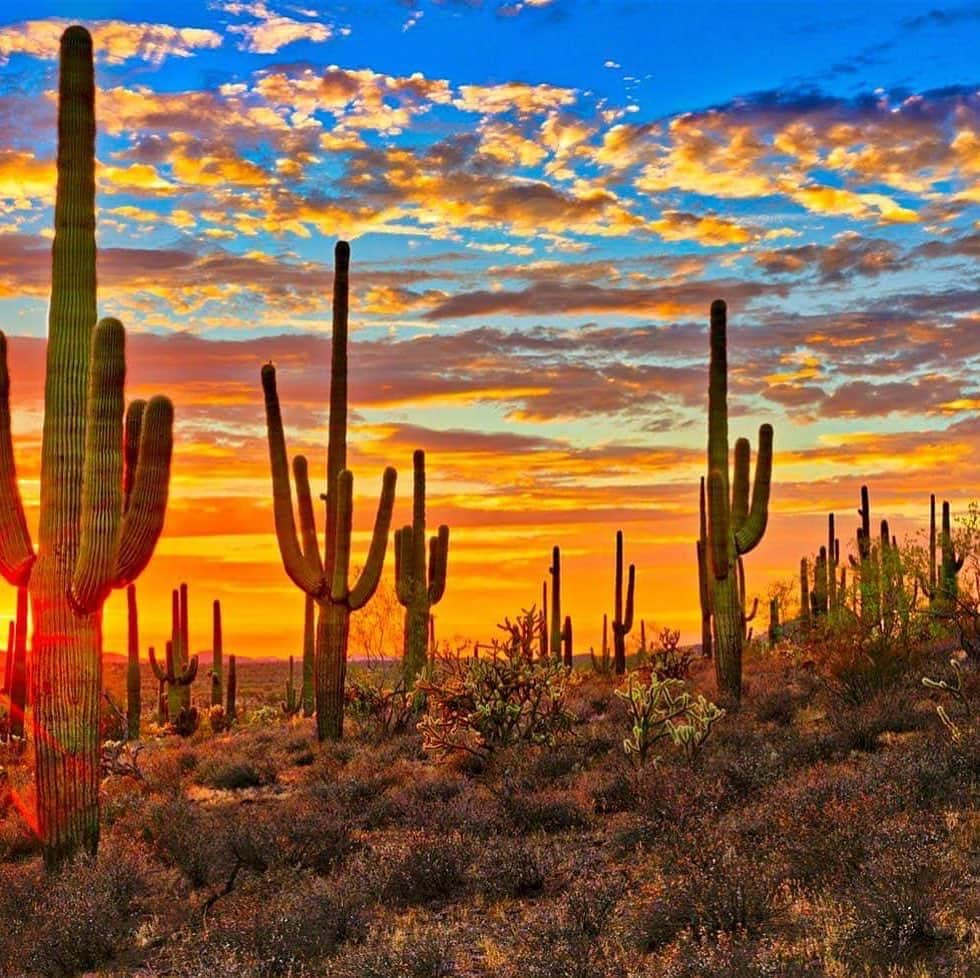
(543, 198)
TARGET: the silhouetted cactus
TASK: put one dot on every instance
(89, 541)
(543, 630)
(951, 564)
(176, 681)
(309, 654)
(566, 642)
(326, 580)
(217, 655)
(704, 583)
(18, 672)
(418, 587)
(602, 665)
(293, 701)
(775, 631)
(231, 692)
(819, 594)
(804, 591)
(556, 620)
(734, 527)
(623, 620)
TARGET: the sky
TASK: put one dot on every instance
(543, 198)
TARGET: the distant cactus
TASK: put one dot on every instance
(176, 681)
(217, 655)
(775, 630)
(89, 540)
(805, 611)
(293, 701)
(18, 672)
(231, 692)
(951, 564)
(326, 579)
(623, 621)
(543, 629)
(704, 582)
(819, 596)
(734, 527)
(418, 586)
(566, 642)
(602, 664)
(556, 619)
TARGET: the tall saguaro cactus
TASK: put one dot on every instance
(217, 656)
(734, 526)
(89, 540)
(556, 621)
(623, 621)
(326, 579)
(704, 584)
(418, 587)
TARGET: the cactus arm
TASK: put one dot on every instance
(718, 524)
(339, 590)
(132, 431)
(300, 570)
(627, 625)
(367, 583)
(163, 674)
(307, 521)
(438, 562)
(403, 565)
(142, 523)
(16, 549)
(740, 483)
(102, 481)
(189, 673)
(752, 530)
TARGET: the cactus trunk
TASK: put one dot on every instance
(231, 694)
(217, 656)
(556, 621)
(309, 649)
(623, 620)
(18, 671)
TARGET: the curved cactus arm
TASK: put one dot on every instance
(189, 673)
(746, 618)
(16, 549)
(102, 482)
(132, 432)
(740, 483)
(747, 537)
(719, 525)
(438, 563)
(147, 500)
(307, 521)
(163, 675)
(301, 571)
(367, 583)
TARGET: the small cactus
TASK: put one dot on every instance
(231, 692)
(293, 702)
(623, 622)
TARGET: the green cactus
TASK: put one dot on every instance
(704, 583)
(417, 587)
(734, 528)
(174, 681)
(179, 695)
(556, 620)
(231, 692)
(623, 621)
(217, 655)
(326, 580)
(293, 702)
(89, 540)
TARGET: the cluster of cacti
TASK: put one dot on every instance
(733, 526)
(623, 621)
(180, 668)
(326, 579)
(90, 540)
(419, 586)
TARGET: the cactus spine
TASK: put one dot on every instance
(134, 689)
(623, 622)
(89, 541)
(217, 655)
(418, 588)
(326, 580)
(734, 527)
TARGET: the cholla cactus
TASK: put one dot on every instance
(954, 687)
(664, 709)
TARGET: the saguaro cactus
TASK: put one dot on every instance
(566, 642)
(89, 540)
(544, 636)
(950, 566)
(418, 588)
(134, 687)
(309, 654)
(18, 671)
(293, 701)
(217, 655)
(176, 679)
(326, 579)
(623, 621)
(231, 693)
(556, 621)
(704, 583)
(734, 527)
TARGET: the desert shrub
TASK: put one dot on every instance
(507, 869)
(543, 811)
(569, 939)
(775, 706)
(76, 920)
(477, 706)
(425, 870)
(727, 957)
(667, 661)
(664, 710)
(234, 773)
(384, 709)
(611, 791)
(407, 954)
(277, 933)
